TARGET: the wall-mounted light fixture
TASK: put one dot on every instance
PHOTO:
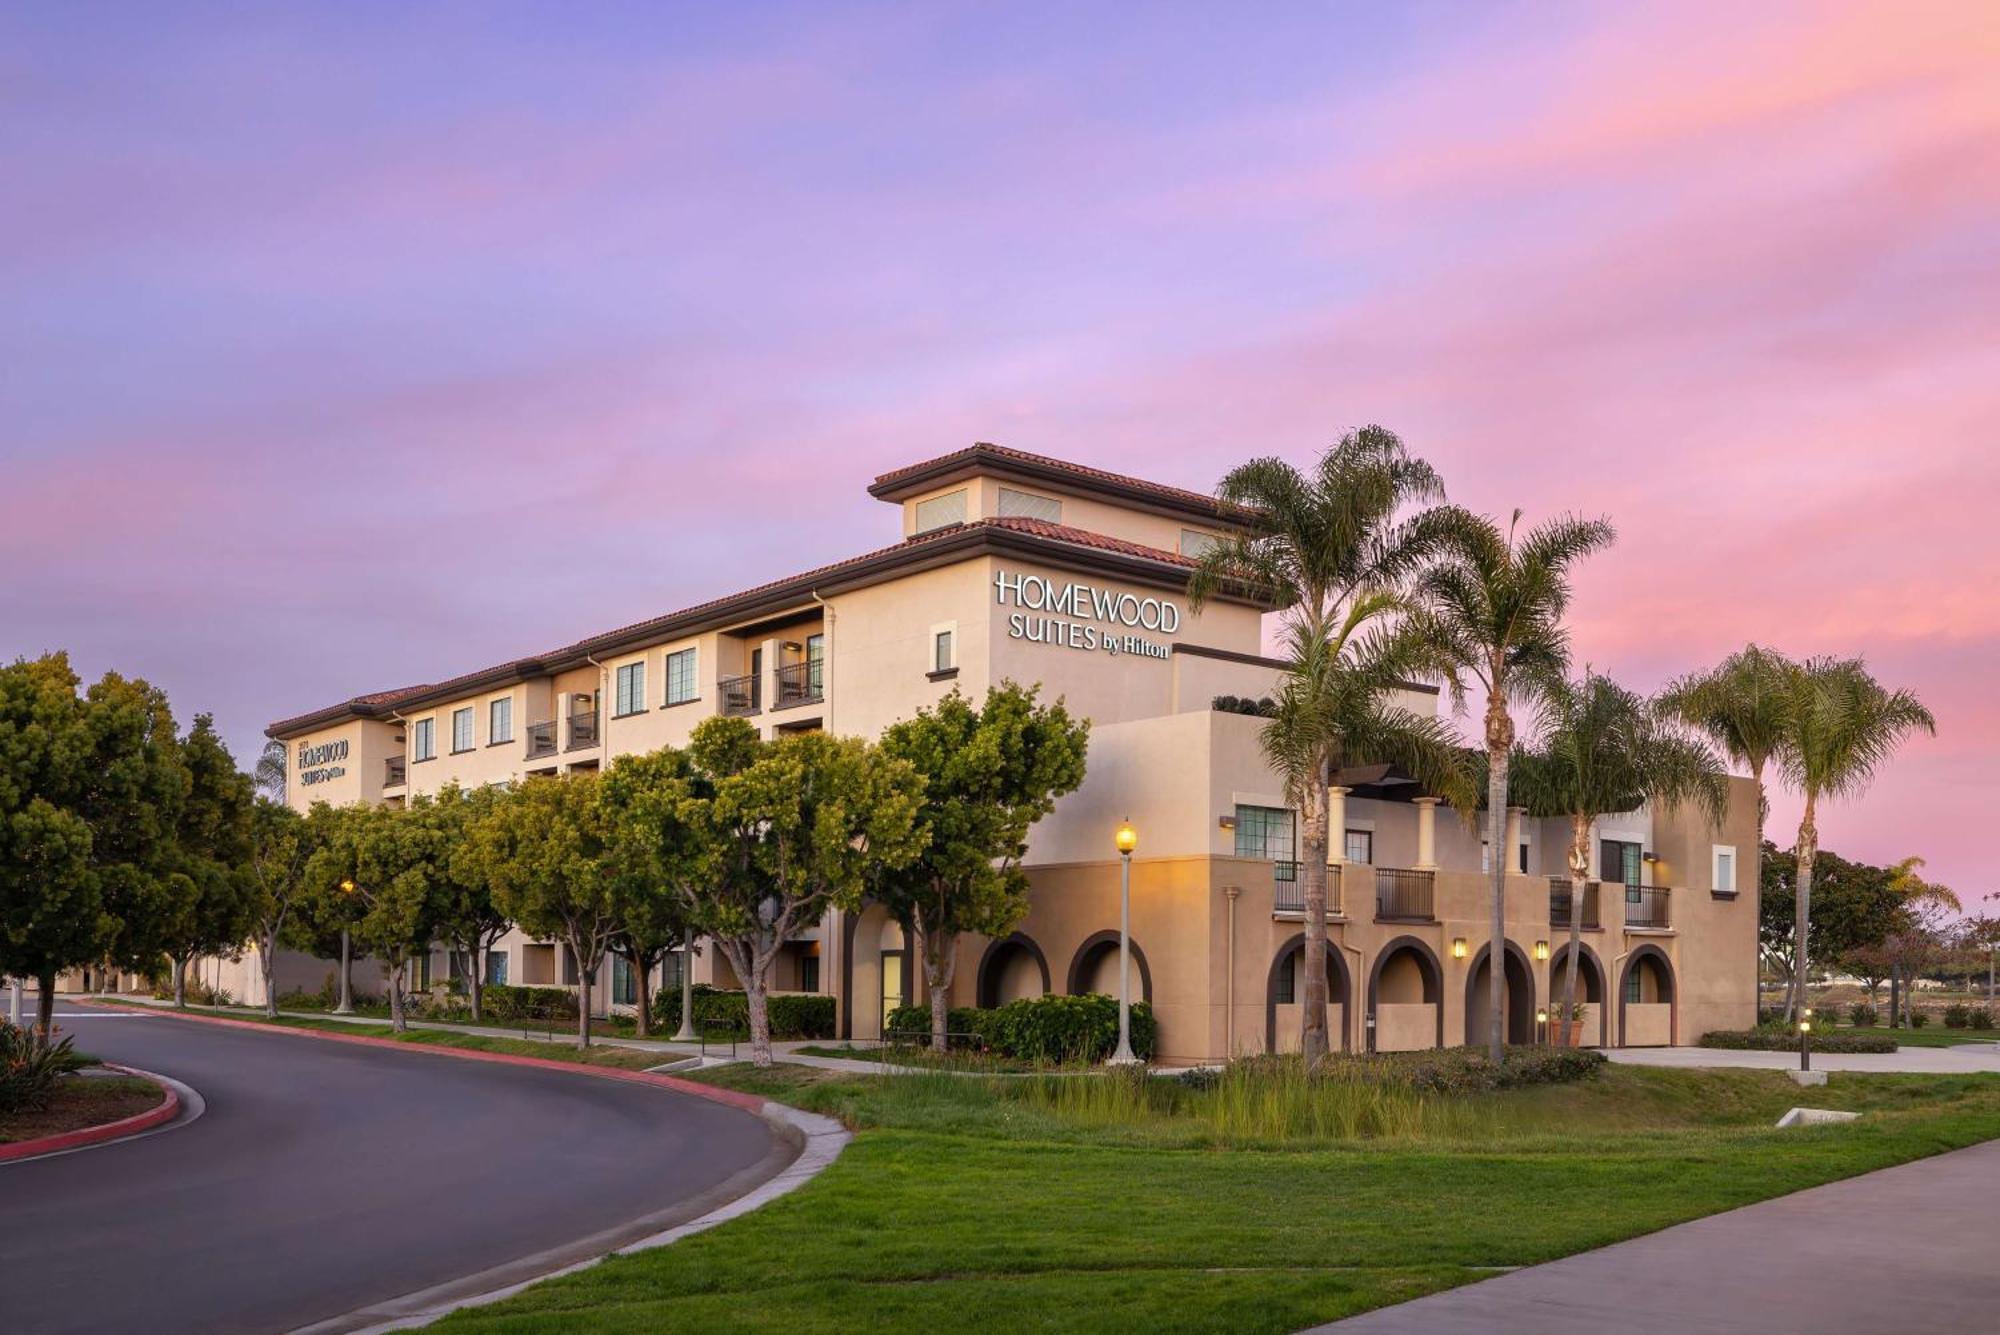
(1458, 947)
(1541, 950)
(1227, 822)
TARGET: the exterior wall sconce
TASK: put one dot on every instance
(1541, 950)
(1227, 822)
(1458, 947)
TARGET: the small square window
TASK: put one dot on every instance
(1725, 870)
(631, 689)
(500, 721)
(1360, 846)
(461, 729)
(423, 739)
(941, 652)
(680, 677)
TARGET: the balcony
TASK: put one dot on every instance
(541, 740)
(740, 695)
(1646, 907)
(799, 684)
(1560, 904)
(1402, 895)
(396, 774)
(582, 730)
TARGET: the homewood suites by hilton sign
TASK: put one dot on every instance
(317, 764)
(1076, 615)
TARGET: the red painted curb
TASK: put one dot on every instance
(168, 1109)
(747, 1102)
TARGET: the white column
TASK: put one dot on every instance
(1426, 833)
(1513, 862)
(1336, 848)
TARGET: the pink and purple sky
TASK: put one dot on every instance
(349, 346)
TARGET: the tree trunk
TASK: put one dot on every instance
(586, 979)
(396, 1020)
(1756, 890)
(180, 965)
(687, 1033)
(1807, 850)
(940, 964)
(645, 1008)
(1895, 996)
(1313, 1039)
(1579, 871)
(269, 948)
(1499, 745)
(760, 1017)
(472, 984)
(345, 1006)
(45, 1005)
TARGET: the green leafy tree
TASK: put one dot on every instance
(550, 856)
(327, 912)
(282, 843)
(1495, 606)
(470, 917)
(661, 858)
(1602, 749)
(209, 892)
(793, 827)
(1327, 550)
(989, 774)
(1844, 726)
(391, 862)
(139, 783)
(1743, 706)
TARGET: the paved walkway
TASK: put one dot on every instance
(1964, 1059)
(1905, 1249)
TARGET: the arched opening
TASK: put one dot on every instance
(1094, 968)
(1011, 969)
(1594, 1024)
(1284, 996)
(1406, 997)
(878, 972)
(1646, 1015)
(1517, 991)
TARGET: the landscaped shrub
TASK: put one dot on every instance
(1918, 1019)
(1052, 1029)
(1957, 1015)
(503, 1002)
(1981, 1018)
(29, 1067)
(793, 1015)
(1863, 1015)
(1233, 704)
(1786, 1039)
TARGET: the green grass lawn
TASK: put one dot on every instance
(1932, 1036)
(1105, 1204)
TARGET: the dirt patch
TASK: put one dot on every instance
(80, 1101)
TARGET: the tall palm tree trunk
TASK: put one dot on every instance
(1807, 851)
(1579, 869)
(1313, 1042)
(1499, 743)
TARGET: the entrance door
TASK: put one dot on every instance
(892, 985)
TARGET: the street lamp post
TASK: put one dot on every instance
(1127, 840)
(346, 1006)
(1805, 1039)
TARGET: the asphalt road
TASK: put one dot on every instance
(324, 1177)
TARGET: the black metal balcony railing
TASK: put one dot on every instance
(541, 740)
(1646, 906)
(740, 695)
(1561, 899)
(800, 683)
(396, 773)
(1403, 894)
(582, 730)
(1288, 896)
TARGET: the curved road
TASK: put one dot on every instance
(324, 1177)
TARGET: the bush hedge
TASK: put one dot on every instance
(1981, 1018)
(1862, 1015)
(1957, 1015)
(1918, 1019)
(501, 1001)
(792, 1014)
(1052, 1029)
(1786, 1039)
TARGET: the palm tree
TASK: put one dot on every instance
(1495, 604)
(1844, 724)
(1326, 550)
(1602, 749)
(1742, 706)
(271, 770)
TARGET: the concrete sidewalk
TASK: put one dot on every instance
(1907, 1248)
(1964, 1059)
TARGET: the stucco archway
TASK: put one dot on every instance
(1650, 971)
(1519, 991)
(1590, 989)
(866, 936)
(1086, 966)
(1339, 988)
(1002, 969)
(1402, 958)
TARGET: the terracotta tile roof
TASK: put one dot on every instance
(1083, 474)
(639, 630)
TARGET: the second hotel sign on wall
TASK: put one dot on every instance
(1076, 615)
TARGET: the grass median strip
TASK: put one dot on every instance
(80, 1101)
(1090, 1204)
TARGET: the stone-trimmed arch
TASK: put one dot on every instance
(1515, 955)
(1081, 963)
(1588, 965)
(1429, 964)
(988, 991)
(1339, 989)
(1649, 951)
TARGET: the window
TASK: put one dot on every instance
(939, 511)
(420, 972)
(1027, 505)
(631, 693)
(1196, 543)
(941, 653)
(423, 739)
(624, 992)
(1619, 860)
(1288, 979)
(1265, 832)
(1724, 870)
(1360, 846)
(496, 968)
(809, 973)
(461, 730)
(815, 664)
(569, 966)
(680, 677)
(672, 969)
(1522, 858)
(1635, 992)
(500, 721)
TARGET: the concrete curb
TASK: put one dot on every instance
(168, 1109)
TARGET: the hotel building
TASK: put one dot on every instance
(1011, 566)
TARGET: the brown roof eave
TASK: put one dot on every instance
(977, 462)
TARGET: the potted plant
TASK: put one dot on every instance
(1569, 1029)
